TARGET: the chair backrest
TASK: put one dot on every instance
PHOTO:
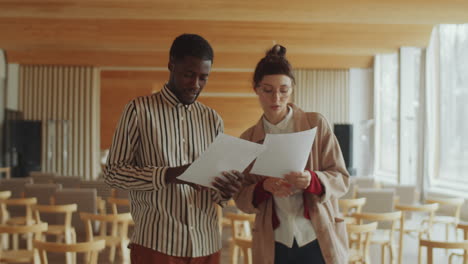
(464, 226)
(104, 191)
(407, 194)
(359, 238)
(84, 198)
(23, 205)
(6, 171)
(117, 204)
(119, 228)
(15, 185)
(42, 177)
(241, 224)
(391, 219)
(5, 195)
(431, 244)
(351, 206)
(426, 209)
(68, 181)
(119, 193)
(92, 247)
(365, 182)
(66, 211)
(24, 229)
(42, 191)
(378, 201)
(448, 206)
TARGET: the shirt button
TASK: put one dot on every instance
(182, 118)
(183, 140)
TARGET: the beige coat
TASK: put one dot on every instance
(327, 161)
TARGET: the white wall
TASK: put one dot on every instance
(12, 91)
(361, 111)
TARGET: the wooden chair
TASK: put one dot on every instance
(454, 205)
(92, 248)
(359, 237)
(27, 219)
(422, 228)
(116, 202)
(350, 206)
(27, 203)
(4, 215)
(7, 171)
(119, 232)
(42, 177)
(68, 181)
(464, 228)
(444, 245)
(65, 231)
(241, 225)
(384, 238)
(4, 195)
(21, 255)
(62, 232)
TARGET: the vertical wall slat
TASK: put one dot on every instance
(62, 95)
(323, 91)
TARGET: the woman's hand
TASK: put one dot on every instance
(300, 180)
(277, 187)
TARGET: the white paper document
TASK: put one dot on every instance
(224, 154)
(284, 153)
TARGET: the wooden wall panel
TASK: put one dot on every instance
(118, 87)
(238, 113)
(345, 11)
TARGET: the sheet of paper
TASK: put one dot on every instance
(224, 154)
(284, 153)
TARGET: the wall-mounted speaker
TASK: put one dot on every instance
(344, 134)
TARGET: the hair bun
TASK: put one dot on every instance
(277, 51)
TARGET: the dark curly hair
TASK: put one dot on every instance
(191, 45)
(274, 62)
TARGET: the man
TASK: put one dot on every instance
(157, 138)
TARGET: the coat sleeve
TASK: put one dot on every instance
(245, 197)
(332, 172)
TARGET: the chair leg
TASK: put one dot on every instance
(112, 254)
(382, 254)
(15, 241)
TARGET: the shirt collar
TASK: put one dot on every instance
(283, 123)
(171, 99)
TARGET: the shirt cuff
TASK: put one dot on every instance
(159, 178)
(260, 194)
(315, 186)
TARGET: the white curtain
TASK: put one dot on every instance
(448, 108)
(411, 113)
(386, 102)
(323, 91)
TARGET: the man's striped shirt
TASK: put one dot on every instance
(156, 132)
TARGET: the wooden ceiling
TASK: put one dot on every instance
(138, 33)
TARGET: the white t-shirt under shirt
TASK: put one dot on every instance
(290, 210)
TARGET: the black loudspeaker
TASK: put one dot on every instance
(23, 148)
(344, 134)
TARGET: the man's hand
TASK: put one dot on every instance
(174, 172)
(277, 187)
(300, 180)
(230, 185)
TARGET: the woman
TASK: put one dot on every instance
(296, 219)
